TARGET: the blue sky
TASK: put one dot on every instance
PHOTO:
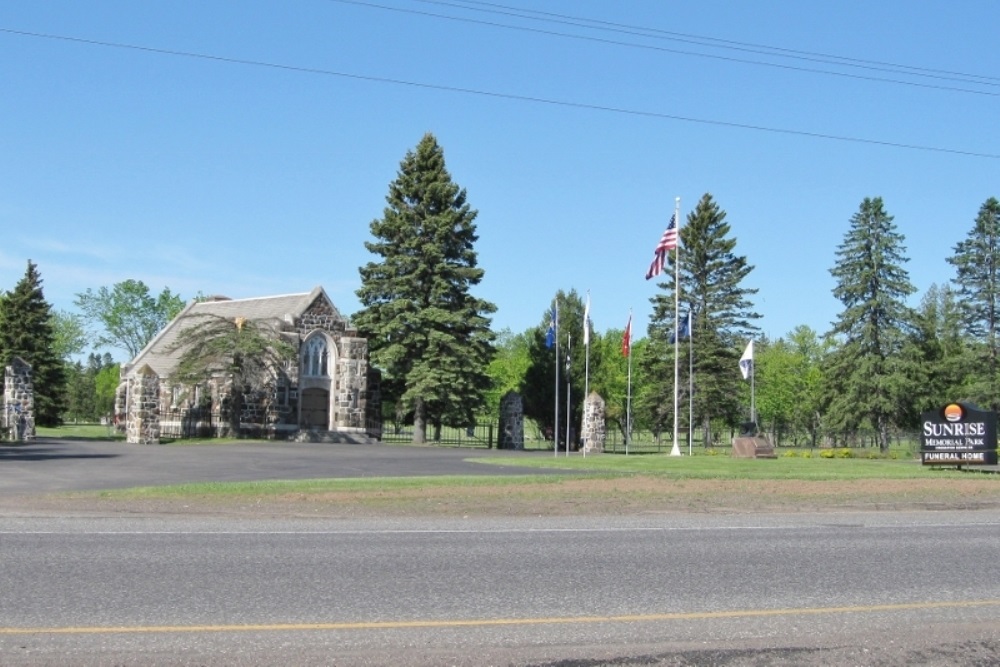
(256, 168)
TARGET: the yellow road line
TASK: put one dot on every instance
(396, 625)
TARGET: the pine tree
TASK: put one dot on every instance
(712, 279)
(429, 336)
(27, 331)
(869, 377)
(977, 264)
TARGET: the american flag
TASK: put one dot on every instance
(667, 243)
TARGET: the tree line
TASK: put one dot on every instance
(880, 365)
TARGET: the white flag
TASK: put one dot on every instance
(586, 321)
(746, 361)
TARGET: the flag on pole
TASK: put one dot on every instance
(627, 337)
(667, 243)
(550, 335)
(684, 330)
(586, 321)
(746, 361)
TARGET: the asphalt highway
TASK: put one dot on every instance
(842, 589)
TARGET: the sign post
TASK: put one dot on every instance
(958, 434)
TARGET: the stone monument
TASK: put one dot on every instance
(751, 443)
(511, 428)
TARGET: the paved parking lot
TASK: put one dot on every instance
(72, 465)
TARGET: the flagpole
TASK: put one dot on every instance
(628, 394)
(569, 388)
(753, 403)
(555, 423)
(586, 371)
(675, 450)
(690, 332)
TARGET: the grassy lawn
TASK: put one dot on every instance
(78, 432)
(595, 484)
(605, 485)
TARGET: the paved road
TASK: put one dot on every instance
(68, 465)
(832, 589)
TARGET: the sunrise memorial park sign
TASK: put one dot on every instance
(958, 434)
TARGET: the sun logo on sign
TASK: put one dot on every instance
(953, 412)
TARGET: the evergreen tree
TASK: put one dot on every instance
(250, 354)
(712, 287)
(429, 336)
(27, 331)
(869, 377)
(977, 265)
(946, 358)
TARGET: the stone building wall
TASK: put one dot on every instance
(349, 402)
(321, 315)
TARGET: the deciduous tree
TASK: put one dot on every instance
(126, 315)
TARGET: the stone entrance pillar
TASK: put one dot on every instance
(511, 431)
(594, 425)
(18, 401)
(142, 423)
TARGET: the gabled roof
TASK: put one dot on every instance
(283, 308)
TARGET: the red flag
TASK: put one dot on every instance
(627, 337)
(667, 243)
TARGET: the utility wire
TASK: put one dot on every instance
(492, 94)
(663, 49)
(702, 40)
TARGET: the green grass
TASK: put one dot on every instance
(78, 432)
(726, 467)
(314, 486)
(594, 466)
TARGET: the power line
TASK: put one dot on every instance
(662, 49)
(492, 94)
(473, 5)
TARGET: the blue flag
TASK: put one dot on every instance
(684, 329)
(550, 335)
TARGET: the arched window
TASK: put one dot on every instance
(314, 358)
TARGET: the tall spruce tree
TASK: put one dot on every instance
(869, 376)
(27, 331)
(428, 335)
(977, 265)
(712, 287)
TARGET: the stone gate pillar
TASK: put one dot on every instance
(142, 425)
(595, 427)
(510, 434)
(19, 401)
